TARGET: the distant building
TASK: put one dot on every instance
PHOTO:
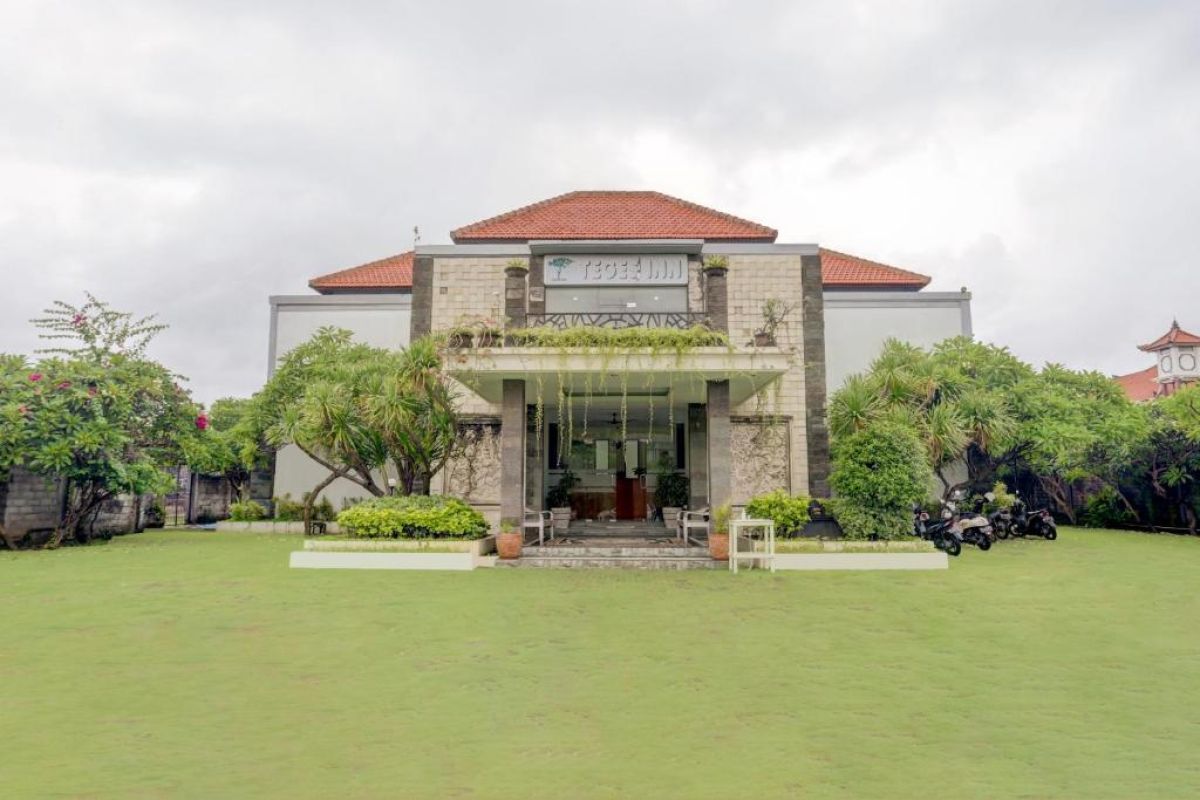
(1177, 364)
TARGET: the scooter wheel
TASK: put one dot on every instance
(1001, 531)
(1051, 534)
(953, 547)
(984, 543)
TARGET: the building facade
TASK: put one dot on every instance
(1176, 364)
(736, 420)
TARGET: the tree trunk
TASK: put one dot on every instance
(310, 499)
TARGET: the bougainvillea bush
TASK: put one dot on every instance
(413, 517)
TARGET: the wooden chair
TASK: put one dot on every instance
(692, 520)
(540, 520)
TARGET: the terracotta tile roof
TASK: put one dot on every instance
(1176, 335)
(394, 272)
(614, 215)
(839, 270)
(1140, 386)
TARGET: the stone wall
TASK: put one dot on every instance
(466, 290)
(752, 279)
(473, 474)
(761, 460)
(29, 502)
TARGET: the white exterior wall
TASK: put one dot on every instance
(858, 323)
(380, 320)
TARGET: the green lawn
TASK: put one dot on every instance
(186, 664)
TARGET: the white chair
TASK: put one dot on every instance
(692, 520)
(540, 520)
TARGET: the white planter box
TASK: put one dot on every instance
(861, 561)
(477, 547)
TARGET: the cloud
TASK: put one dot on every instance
(194, 158)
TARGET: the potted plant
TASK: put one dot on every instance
(516, 268)
(715, 265)
(559, 500)
(718, 533)
(774, 312)
(671, 494)
(487, 333)
(510, 539)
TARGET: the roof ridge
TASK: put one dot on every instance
(708, 209)
(313, 283)
(511, 212)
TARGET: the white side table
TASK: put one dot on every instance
(767, 554)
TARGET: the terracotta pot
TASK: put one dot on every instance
(508, 544)
(718, 546)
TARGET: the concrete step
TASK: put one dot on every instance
(612, 562)
(619, 551)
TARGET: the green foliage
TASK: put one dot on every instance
(229, 445)
(673, 490)
(559, 495)
(101, 416)
(287, 509)
(247, 511)
(715, 262)
(878, 474)
(790, 514)
(413, 517)
(858, 521)
(720, 518)
(657, 340)
(1002, 499)
(1104, 509)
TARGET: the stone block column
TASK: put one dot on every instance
(512, 450)
(816, 426)
(720, 471)
(514, 296)
(716, 298)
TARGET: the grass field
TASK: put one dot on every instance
(196, 665)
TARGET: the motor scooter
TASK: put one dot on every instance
(1032, 523)
(941, 532)
(974, 527)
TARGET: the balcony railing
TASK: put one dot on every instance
(664, 319)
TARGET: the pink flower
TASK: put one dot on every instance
(24, 410)
(35, 377)
(78, 320)
(65, 385)
(202, 422)
(92, 391)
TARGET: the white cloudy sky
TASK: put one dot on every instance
(192, 158)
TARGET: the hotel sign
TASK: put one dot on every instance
(622, 270)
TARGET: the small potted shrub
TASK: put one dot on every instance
(672, 494)
(718, 533)
(774, 312)
(510, 539)
(559, 500)
(715, 265)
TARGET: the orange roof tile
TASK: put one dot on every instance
(613, 215)
(842, 271)
(394, 272)
(1175, 335)
(1140, 386)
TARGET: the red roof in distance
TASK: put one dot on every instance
(1175, 335)
(614, 215)
(839, 270)
(1140, 386)
(393, 272)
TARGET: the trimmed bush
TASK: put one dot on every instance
(879, 472)
(247, 511)
(1104, 509)
(288, 510)
(413, 517)
(790, 514)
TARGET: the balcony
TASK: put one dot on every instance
(681, 320)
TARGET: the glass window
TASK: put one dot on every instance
(615, 299)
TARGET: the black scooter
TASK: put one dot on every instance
(941, 532)
(1032, 523)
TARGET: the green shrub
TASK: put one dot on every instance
(1104, 509)
(413, 517)
(673, 490)
(247, 511)
(862, 522)
(720, 518)
(878, 474)
(288, 510)
(323, 511)
(790, 514)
